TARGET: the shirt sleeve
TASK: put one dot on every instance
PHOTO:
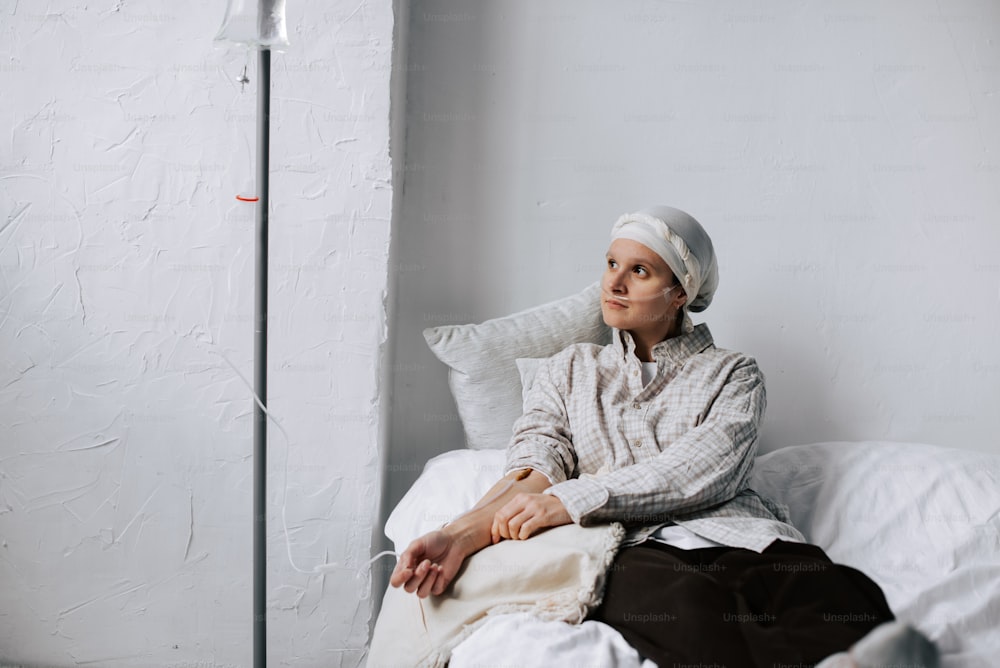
(542, 438)
(708, 465)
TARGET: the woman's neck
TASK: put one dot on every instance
(644, 342)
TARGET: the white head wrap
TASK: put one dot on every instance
(682, 243)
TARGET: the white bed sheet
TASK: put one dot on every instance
(523, 640)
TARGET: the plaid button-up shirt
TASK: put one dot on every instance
(678, 450)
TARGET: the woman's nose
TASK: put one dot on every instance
(613, 280)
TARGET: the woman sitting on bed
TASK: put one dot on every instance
(658, 430)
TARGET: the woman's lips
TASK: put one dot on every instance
(614, 304)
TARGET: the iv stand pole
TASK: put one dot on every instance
(260, 363)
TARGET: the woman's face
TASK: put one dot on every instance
(639, 294)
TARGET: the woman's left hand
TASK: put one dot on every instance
(527, 514)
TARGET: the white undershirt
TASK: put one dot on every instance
(648, 371)
(674, 534)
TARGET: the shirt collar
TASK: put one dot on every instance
(675, 350)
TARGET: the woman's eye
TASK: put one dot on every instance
(612, 264)
(640, 270)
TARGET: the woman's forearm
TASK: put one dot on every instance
(473, 529)
(429, 563)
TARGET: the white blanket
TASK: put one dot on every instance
(558, 575)
(545, 644)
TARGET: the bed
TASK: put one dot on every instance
(923, 521)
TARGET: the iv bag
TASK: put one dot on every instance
(254, 23)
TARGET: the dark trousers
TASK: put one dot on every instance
(731, 607)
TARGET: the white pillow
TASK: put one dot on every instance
(483, 374)
(527, 367)
(857, 500)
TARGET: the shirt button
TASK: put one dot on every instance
(637, 405)
(635, 373)
(637, 444)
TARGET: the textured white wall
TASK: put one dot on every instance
(126, 272)
(844, 156)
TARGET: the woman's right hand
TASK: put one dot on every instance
(428, 564)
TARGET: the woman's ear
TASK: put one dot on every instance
(680, 299)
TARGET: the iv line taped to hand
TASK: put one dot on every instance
(361, 573)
